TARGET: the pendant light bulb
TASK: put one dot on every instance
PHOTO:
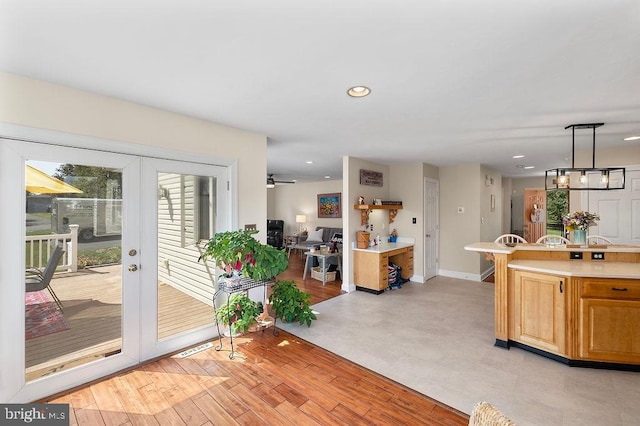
(604, 177)
(583, 177)
(562, 180)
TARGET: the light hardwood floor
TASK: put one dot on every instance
(279, 380)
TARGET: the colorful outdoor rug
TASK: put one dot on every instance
(42, 316)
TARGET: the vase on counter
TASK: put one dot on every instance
(580, 236)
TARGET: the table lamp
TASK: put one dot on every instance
(300, 219)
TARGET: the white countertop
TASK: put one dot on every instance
(385, 247)
(484, 247)
(577, 268)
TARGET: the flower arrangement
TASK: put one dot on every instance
(579, 220)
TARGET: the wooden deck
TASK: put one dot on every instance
(92, 302)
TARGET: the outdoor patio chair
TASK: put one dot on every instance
(41, 279)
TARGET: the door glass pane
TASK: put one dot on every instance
(73, 305)
(186, 218)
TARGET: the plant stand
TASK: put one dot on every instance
(230, 287)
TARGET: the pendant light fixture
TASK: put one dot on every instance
(584, 178)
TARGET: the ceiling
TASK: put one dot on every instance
(452, 81)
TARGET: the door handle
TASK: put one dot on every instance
(133, 267)
(428, 235)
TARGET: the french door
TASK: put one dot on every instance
(130, 228)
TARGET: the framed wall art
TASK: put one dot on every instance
(330, 205)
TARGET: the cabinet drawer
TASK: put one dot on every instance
(611, 289)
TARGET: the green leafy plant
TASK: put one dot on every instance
(239, 313)
(238, 251)
(290, 303)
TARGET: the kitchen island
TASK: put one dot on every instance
(577, 305)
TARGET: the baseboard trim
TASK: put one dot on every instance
(575, 362)
(459, 275)
(368, 290)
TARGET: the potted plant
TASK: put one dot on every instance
(238, 253)
(290, 304)
(238, 313)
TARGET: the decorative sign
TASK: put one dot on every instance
(370, 177)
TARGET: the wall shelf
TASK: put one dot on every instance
(365, 209)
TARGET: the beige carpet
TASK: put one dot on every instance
(437, 338)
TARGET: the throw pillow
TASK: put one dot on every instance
(315, 235)
(336, 238)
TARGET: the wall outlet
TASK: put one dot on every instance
(597, 255)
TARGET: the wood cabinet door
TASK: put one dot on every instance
(539, 311)
(610, 330)
(370, 270)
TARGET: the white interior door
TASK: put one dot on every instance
(431, 227)
(619, 211)
(94, 331)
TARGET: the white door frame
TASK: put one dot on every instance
(13, 157)
(431, 237)
(12, 372)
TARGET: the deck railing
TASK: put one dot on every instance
(40, 247)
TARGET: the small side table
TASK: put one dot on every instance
(291, 243)
(323, 258)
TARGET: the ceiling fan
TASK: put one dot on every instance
(271, 182)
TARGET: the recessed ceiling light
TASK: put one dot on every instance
(529, 167)
(309, 162)
(632, 138)
(358, 91)
(327, 177)
(518, 156)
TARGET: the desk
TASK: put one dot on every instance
(370, 266)
(323, 258)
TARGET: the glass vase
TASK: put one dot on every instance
(580, 236)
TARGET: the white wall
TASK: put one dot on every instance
(302, 198)
(43, 105)
(460, 187)
(407, 185)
